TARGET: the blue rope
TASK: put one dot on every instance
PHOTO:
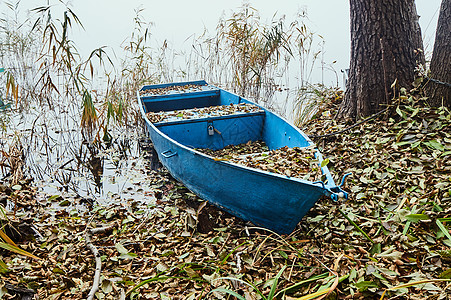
(438, 81)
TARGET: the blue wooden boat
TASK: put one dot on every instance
(270, 200)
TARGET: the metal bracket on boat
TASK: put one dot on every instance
(322, 183)
(168, 154)
(336, 193)
(344, 179)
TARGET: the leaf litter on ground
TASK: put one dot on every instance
(173, 246)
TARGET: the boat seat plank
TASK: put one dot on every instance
(208, 118)
(185, 95)
(199, 83)
(181, 101)
(227, 130)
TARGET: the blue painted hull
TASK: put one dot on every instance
(269, 200)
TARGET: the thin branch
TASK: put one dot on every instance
(98, 269)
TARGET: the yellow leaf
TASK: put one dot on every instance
(17, 250)
(314, 295)
(6, 238)
(412, 284)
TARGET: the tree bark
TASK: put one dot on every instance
(440, 69)
(386, 46)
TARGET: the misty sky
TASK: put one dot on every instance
(109, 23)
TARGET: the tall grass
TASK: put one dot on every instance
(245, 54)
(254, 49)
(258, 60)
(49, 84)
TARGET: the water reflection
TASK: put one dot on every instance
(61, 160)
(89, 158)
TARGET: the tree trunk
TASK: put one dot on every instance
(440, 69)
(386, 45)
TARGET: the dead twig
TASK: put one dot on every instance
(98, 269)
